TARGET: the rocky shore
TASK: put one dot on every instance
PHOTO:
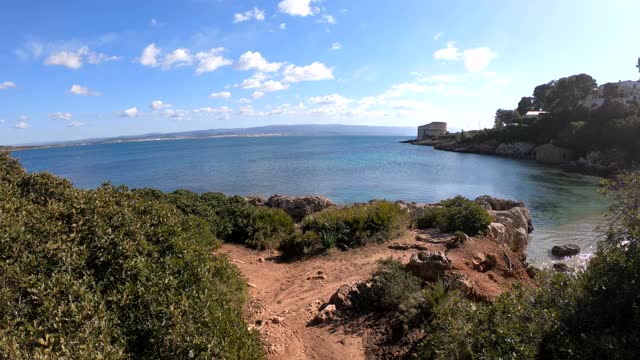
(594, 163)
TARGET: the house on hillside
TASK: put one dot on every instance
(533, 115)
(629, 91)
(430, 130)
(552, 154)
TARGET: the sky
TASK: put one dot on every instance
(77, 69)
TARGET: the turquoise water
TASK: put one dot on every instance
(564, 206)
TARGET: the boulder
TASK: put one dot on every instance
(519, 150)
(415, 210)
(484, 262)
(255, 200)
(299, 206)
(565, 250)
(326, 313)
(511, 222)
(455, 281)
(428, 266)
(343, 298)
(561, 267)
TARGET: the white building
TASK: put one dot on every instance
(629, 90)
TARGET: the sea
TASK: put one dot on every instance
(565, 207)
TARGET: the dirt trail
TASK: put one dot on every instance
(294, 291)
(285, 297)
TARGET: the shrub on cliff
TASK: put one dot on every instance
(109, 273)
(357, 225)
(457, 214)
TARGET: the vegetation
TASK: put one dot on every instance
(231, 219)
(111, 273)
(457, 214)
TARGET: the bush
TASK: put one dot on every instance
(109, 273)
(357, 225)
(457, 214)
(268, 227)
(391, 290)
(298, 245)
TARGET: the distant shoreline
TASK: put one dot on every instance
(119, 141)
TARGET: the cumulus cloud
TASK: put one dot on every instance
(219, 113)
(283, 26)
(82, 90)
(149, 55)
(475, 60)
(327, 19)
(272, 85)
(220, 95)
(22, 125)
(76, 124)
(177, 115)
(437, 36)
(60, 116)
(254, 81)
(451, 52)
(158, 105)
(315, 71)
(75, 59)
(336, 46)
(257, 94)
(255, 60)
(211, 60)
(177, 58)
(297, 7)
(254, 13)
(478, 59)
(130, 113)
(7, 85)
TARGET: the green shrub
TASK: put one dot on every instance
(457, 214)
(357, 225)
(268, 228)
(301, 244)
(392, 290)
(109, 273)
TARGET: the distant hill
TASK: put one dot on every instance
(282, 130)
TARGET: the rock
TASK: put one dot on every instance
(401, 247)
(519, 150)
(561, 267)
(565, 250)
(428, 266)
(299, 206)
(455, 281)
(261, 260)
(532, 271)
(342, 299)
(326, 313)
(484, 262)
(459, 238)
(255, 200)
(491, 203)
(511, 222)
(343, 246)
(317, 277)
(414, 209)
(277, 319)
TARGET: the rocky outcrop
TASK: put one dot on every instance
(255, 200)
(599, 163)
(428, 266)
(565, 250)
(517, 150)
(299, 206)
(511, 222)
(343, 298)
(414, 209)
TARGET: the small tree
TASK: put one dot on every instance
(525, 104)
(505, 117)
(638, 66)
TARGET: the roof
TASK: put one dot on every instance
(534, 113)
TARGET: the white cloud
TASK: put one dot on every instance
(149, 55)
(336, 46)
(60, 116)
(82, 90)
(297, 7)
(22, 125)
(451, 52)
(211, 60)
(333, 100)
(75, 124)
(315, 71)
(222, 112)
(177, 115)
(475, 60)
(177, 58)
(255, 60)
(23, 118)
(7, 85)
(158, 105)
(220, 95)
(130, 113)
(254, 13)
(283, 26)
(254, 81)
(75, 59)
(328, 19)
(244, 101)
(272, 85)
(437, 36)
(478, 59)
(257, 94)
(153, 22)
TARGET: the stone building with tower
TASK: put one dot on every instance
(431, 130)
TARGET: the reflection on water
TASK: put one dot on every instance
(564, 206)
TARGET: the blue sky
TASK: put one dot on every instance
(75, 69)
